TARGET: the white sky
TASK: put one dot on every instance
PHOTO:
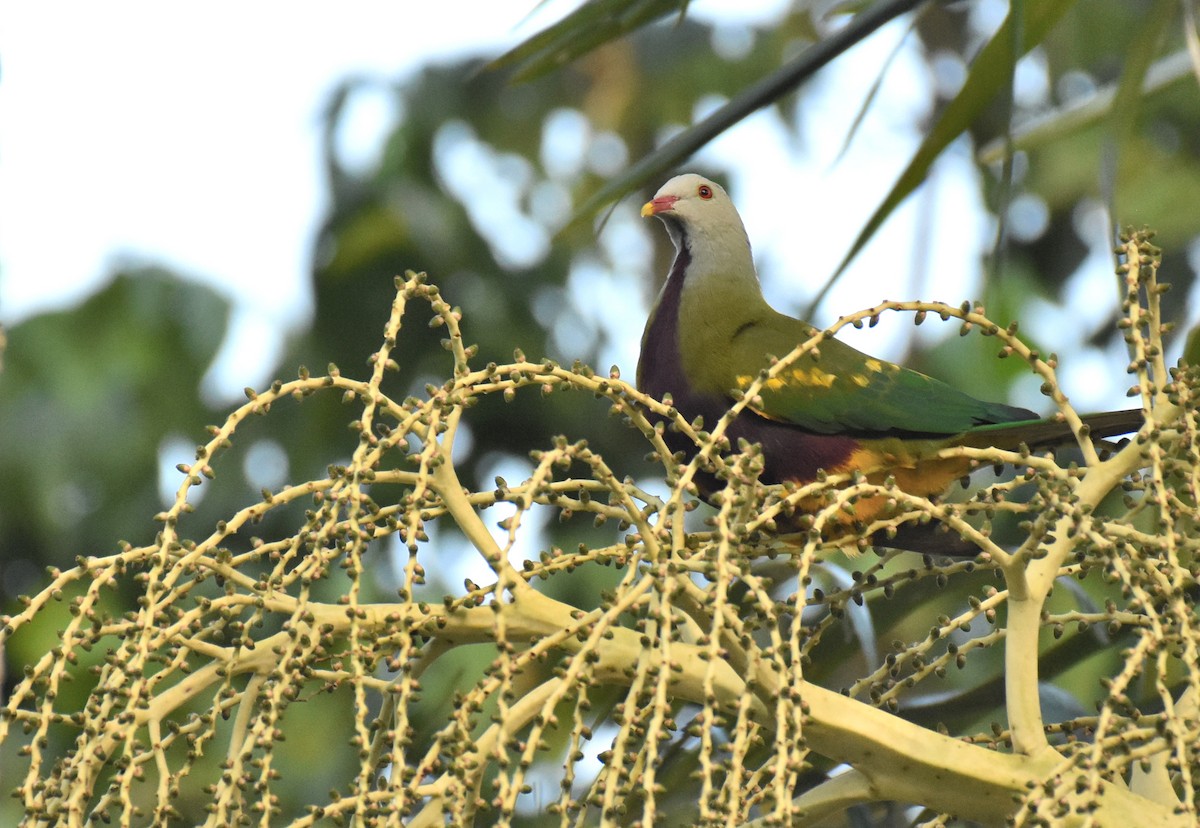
(135, 127)
(138, 131)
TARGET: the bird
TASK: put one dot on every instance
(710, 333)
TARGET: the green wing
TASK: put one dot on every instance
(848, 391)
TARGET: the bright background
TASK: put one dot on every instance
(118, 145)
(199, 151)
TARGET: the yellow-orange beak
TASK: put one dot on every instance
(662, 204)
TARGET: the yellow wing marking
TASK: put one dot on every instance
(812, 377)
(772, 384)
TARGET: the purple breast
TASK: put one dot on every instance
(791, 453)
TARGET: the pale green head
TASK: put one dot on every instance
(700, 217)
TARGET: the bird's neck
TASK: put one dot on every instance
(720, 296)
(711, 292)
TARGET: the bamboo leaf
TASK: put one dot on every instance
(764, 92)
(1127, 102)
(1077, 115)
(873, 92)
(587, 28)
(988, 75)
(1191, 349)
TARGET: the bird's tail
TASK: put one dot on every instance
(1035, 433)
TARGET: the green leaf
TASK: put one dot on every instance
(989, 74)
(1191, 350)
(766, 91)
(1128, 101)
(873, 92)
(1057, 123)
(587, 28)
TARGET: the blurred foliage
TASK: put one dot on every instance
(86, 398)
(89, 396)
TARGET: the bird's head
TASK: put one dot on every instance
(692, 199)
(698, 212)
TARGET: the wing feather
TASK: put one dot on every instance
(847, 391)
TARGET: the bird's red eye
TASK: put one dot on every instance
(705, 192)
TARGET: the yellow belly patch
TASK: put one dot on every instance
(920, 477)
